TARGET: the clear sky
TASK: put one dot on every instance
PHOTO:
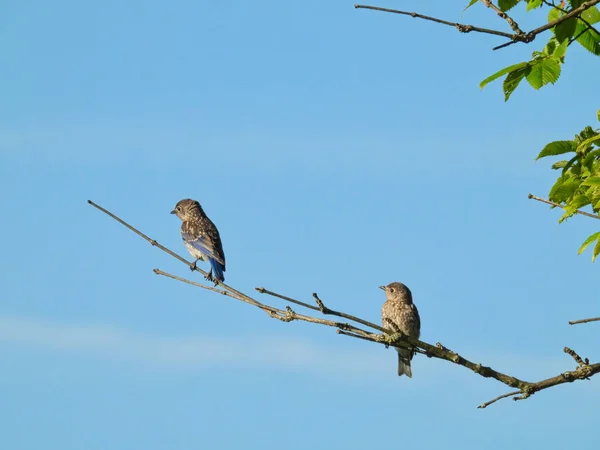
(336, 150)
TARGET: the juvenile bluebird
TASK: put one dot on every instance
(399, 314)
(201, 237)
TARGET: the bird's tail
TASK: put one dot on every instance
(217, 269)
(404, 363)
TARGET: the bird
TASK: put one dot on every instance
(400, 315)
(201, 238)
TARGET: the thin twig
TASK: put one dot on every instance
(193, 283)
(503, 15)
(262, 290)
(288, 312)
(328, 311)
(321, 307)
(548, 202)
(486, 404)
(576, 357)
(460, 27)
(593, 319)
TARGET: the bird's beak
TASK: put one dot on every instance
(382, 287)
(173, 212)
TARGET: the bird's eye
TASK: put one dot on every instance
(391, 289)
(178, 208)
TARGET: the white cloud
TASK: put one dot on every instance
(189, 352)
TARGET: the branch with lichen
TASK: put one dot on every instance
(524, 389)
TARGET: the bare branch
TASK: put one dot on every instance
(503, 15)
(576, 357)
(460, 27)
(277, 313)
(321, 307)
(548, 202)
(525, 388)
(593, 319)
(500, 397)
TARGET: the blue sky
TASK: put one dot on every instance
(336, 150)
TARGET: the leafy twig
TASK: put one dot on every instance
(517, 36)
(548, 202)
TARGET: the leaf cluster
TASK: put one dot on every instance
(578, 185)
(545, 66)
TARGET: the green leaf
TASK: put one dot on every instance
(572, 206)
(570, 163)
(578, 202)
(586, 133)
(506, 5)
(471, 3)
(583, 146)
(591, 15)
(557, 148)
(558, 164)
(532, 4)
(596, 250)
(561, 50)
(592, 181)
(587, 242)
(591, 159)
(554, 14)
(563, 190)
(599, 115)
(565, 30)
(548, 49)
(513, 79)
(543, 72)
(501, 72)
(588, 39)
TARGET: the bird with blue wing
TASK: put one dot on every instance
(201, 238)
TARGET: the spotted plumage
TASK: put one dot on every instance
(201, 237)
(399, 314)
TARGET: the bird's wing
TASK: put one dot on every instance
(417, 320)
(390, 325)
(204, 244)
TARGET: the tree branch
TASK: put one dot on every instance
(548, 202)
(517, 36)
(460, 27)
(525, 388)
(321, 307)
(503, 15)
(589, 25)
(593, 319)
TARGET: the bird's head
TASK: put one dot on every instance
(187, 208)
(397, 291)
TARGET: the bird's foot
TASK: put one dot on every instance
(210, 277)
(193, 266)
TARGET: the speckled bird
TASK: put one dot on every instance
(399, 314)
(201, 238)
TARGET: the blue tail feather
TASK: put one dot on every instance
(217, 269)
